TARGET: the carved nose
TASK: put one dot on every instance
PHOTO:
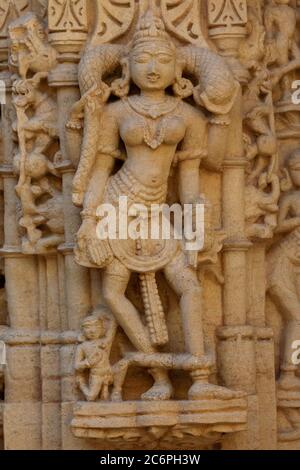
(152, 70)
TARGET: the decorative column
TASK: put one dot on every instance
(264, 345)
(68, 34)
(236, 348)
(22, 378)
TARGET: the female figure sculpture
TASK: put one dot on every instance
(158, 130)
(284, 271)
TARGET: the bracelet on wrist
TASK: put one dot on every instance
(88, 214)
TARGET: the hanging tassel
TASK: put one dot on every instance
(154, 312)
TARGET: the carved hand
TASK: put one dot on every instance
(89, 243)
(95, 358)
(77, 197)
(87, 230)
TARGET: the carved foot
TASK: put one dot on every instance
(206, 391)
(162, 388)
(159, 391)
(116, 396)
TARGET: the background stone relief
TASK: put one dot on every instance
(131, 345)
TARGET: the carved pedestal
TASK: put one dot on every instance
(164, 425)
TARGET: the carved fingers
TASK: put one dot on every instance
(78, 198)
(95, 251)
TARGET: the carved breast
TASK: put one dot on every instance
(132, 130)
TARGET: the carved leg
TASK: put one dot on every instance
(185, 283)
(81, 382)
(288, 303)
(105, 392)
(95, 385)
(115, 282)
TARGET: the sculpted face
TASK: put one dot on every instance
(93, 330)
(152, 66)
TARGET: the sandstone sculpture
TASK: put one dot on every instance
(138, 341)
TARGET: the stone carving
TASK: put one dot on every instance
(151, 65)
(184, 20)
(68, 28)
(283, 288)
(156, 425)
(39, 188)
(10, 9)
(29, 48)
(67, 15)
(283, 270)
(113, 20)
(41, 200)
(259, 120)
(227, 14)
(261, 145)
(283, 59)
(93, 353)
(262, 207)
(142, 342)
(280, 23)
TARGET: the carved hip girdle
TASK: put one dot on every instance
(156, 253)
(124, 183)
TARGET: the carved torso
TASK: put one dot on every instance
(183, 128)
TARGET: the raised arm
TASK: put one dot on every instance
(95, 189)
(99, 149)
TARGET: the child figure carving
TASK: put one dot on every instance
(92, 355)
(158, 130)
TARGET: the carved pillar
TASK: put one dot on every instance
(68, 33)
(22, 380)
(236, 339)
(264, 345)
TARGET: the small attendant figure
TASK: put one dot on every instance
(92, 355)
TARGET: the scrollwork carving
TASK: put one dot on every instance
(183, 19)
(113, 20)
(67, 15)
(11, 9)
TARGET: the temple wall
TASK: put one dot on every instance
(217, 333)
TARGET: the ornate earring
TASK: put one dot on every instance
(183, 88)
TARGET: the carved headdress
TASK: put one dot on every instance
(151, 28)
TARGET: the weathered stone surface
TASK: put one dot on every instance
(136, 341)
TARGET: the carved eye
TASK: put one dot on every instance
(164, 58)
(142, 58)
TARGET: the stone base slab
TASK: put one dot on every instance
(160, 424)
